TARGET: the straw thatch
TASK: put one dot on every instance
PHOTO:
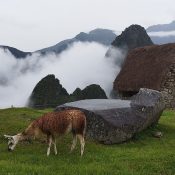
(145, 67)
(150, 67)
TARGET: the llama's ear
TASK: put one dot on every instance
(8, 136)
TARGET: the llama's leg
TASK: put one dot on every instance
(49, 140)
(54, 144)
(82, 143)
(74, 142)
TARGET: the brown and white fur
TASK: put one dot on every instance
(54, 124)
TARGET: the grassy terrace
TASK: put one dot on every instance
(142, 155)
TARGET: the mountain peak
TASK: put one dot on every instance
(100, 30)
(82, 36)
(102, 36)
(132, 37)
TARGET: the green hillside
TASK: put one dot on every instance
(144, 155)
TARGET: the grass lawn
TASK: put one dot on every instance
(143, 155)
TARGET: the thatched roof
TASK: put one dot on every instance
(145, 67)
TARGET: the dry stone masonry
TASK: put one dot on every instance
(168, 87)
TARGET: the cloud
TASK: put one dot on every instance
(162, 34)
(80, 65)
(34, 24)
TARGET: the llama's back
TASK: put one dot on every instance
(62, 121)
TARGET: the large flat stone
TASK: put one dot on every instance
(114, 121)
(99, 104)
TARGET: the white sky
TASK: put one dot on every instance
(33, 24)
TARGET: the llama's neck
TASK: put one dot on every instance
(28, 133)
(32, 131)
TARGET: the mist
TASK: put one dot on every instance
(162, 34)
(80, 65)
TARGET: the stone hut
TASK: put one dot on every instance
(150, 67)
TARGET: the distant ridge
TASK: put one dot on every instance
(15, 52)
(163, 39)
(101, 36)
(162, 27)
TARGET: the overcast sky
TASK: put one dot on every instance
(33, 24)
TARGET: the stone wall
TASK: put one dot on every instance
(168, 87)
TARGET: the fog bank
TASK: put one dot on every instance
(80, 65)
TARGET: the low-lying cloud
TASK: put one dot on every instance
(162, 34)
(80, 65)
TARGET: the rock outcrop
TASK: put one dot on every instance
(92, 91)
(48, 93)
(132, 37)
(114, 121)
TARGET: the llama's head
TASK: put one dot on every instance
(12, 141)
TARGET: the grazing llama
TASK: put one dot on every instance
(54, 124)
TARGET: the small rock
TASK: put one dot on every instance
(157, 134)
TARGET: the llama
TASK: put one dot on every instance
(54, 124)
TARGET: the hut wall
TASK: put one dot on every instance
(168, 87)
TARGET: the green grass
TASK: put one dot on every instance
(142, 155)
